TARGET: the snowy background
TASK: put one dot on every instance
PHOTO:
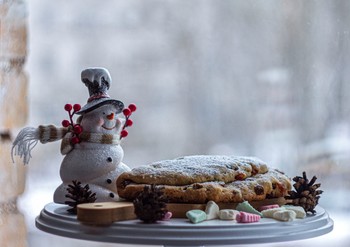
(262, 78)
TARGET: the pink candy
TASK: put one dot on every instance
(262, 208)
(167, 216)
(244, 217)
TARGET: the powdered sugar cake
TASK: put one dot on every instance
(201, 178)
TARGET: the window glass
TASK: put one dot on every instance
(258, 78)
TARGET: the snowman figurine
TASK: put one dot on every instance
(92, 150)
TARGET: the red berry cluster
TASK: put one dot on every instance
(76, 129)
(128, 122)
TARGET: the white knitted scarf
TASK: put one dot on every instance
(28, 137)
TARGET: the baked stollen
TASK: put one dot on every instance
(203, 178)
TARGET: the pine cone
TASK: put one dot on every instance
(306, 193)
(150, 205)
(79, 195)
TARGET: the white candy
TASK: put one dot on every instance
(285, 215)
(300, 212)
(268, 213)
(228, 214)
(212, 210)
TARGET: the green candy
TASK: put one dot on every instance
(246, 207)
(196, 215)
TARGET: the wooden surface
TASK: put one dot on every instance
(105, 213)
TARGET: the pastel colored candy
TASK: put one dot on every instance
(196, 215)
(228, 214)
(285, 215)
(212, 210)
(246, 207)
(244, 217)
(168, 215)
(300, 211)
(262, 208)
(268, 213)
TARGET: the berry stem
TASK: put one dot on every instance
(126, 121)
(127, 113)
(71, 118)
(70, 123)
(124, 126)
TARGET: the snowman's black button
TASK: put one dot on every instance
(111, 195)
(109, 159)
(109, 181)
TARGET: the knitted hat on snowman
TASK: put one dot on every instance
(98, 81)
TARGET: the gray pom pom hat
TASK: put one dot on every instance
(98, 81)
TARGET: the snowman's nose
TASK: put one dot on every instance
(110, 116)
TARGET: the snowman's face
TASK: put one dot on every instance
(101, 120)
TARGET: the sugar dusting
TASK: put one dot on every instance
(197, 169)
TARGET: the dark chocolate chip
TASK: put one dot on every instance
(259, 190)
